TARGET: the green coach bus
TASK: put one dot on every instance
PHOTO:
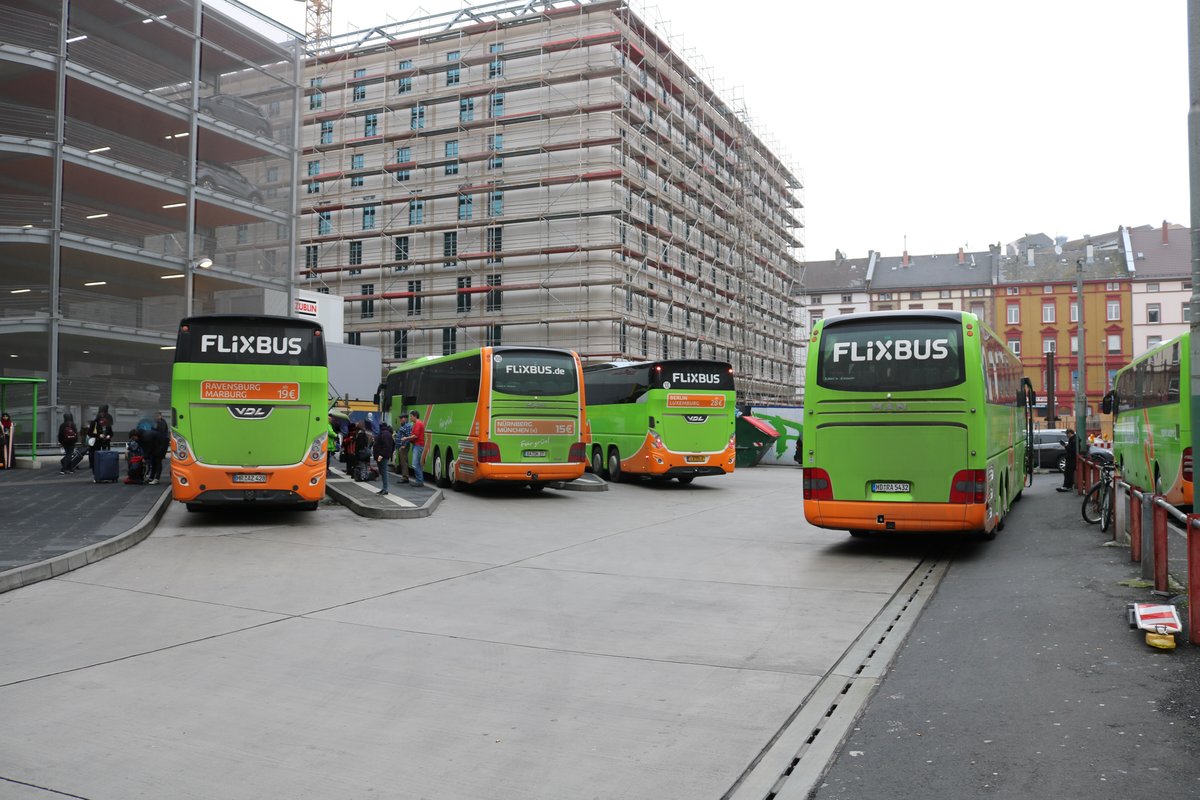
(248, 411)
(661, 419)
(1152, 422)
(914, 421)
(504, 413)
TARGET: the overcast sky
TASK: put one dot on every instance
(941, 122)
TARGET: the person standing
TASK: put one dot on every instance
(416, 439)
(403, 446)
(362, 452)
(99, 435)
(1072, 446)
(68, 439)
(6, 441)
(385, 446)
(157, 441)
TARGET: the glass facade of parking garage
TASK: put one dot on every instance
(147, 163)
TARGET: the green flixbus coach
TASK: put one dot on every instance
(248, 411)
(661, 419)
(1152, 421)
(504, 413)
(913, 421)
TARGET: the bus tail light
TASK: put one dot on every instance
(655, 439)
(1187, 464)
(488, 453)
(578, 453)
(317, 449)
(817, 485)
(969, 487)
(182, 451)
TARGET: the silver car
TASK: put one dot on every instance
(223, 178)
(236, 111)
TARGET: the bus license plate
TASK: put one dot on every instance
(534, 453)
(903, 488)
(696, 459)
(249, 477)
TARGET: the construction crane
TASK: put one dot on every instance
(318, 22)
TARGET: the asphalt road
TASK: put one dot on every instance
(650, 641)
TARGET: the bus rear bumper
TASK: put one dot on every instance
(293, 483)
(657, 462)
(521, 473)
(912, 517)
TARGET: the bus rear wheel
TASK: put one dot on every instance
(598, 462)
(614, 465)
(439, 470)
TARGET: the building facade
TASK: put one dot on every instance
(547, 175)
(147, 163)
(1162, 288)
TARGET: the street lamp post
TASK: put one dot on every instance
(189, 277)
(1081, 386)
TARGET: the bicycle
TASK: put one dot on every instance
(1098, 502)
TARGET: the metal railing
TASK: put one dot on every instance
(1149, 545)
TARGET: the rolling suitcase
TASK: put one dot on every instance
(107, 466)
(72, 459)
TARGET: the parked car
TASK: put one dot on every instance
(226, 179)
(236, 111)
(1050, 447)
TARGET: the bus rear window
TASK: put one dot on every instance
(238, 340)
(529, 373)
(900, 355)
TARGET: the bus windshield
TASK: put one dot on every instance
(532, 372)
(881, 355)
(246, 340)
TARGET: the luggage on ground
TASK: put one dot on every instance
(71, 460)
(106, 466)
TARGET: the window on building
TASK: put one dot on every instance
(450, 248)
(1151, 287)
(1074, 380)
(494, 244)
(466, 109)
(1074, 345)
(452, 152)
(403, 155)
(368, 303)
(327, 132)
(359, 93)
(495, 142)
(1074, 311)
(400, 344)
(1048, 344)
(356, 161)
(414, 298)
(1113, 310)
(417, 117)
(403, 175)
(400, 248)
(494, 335)
(1114, 343)
(1015, 346)
(314, 168)
(354, 337)
(1047, 312)
(311, 256)
(1153, 313)
(404, 85)
(497, 104)
(847, 298)
(1014, 314)
(1010, 290)
(465, 206)
(324, 222)
(495, 297)
(1047, 290)
(316, 100)
(368, 218)
(944, 294)
(1153, 341)
(454, 74)
(976, 293)
(356, 251)
(371, 125)
(914, 295)
(464, 297)
(1112, 286)
(495, 204)
(1186, 312)
(449, 341)
(496, 66)
(416, 212)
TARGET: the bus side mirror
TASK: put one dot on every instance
(1109, 404)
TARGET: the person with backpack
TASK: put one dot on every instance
(156, 440)
(385, 445)
(403, 447)
(362, 452)
(68, 439)
(99, 435)
(135, 455)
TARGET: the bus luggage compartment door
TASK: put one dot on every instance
(896, 462)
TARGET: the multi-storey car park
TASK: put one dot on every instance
(147, 162)
(545, 173)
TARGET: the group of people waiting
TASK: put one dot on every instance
(359, 449)
(147, 443)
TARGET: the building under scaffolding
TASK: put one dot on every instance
(545, 173)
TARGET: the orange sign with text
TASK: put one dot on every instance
(534, 427)
(248, 390)
(695, 401)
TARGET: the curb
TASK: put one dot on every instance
(394, 512)
(60, 565)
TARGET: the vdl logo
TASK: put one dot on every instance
(250, 412)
